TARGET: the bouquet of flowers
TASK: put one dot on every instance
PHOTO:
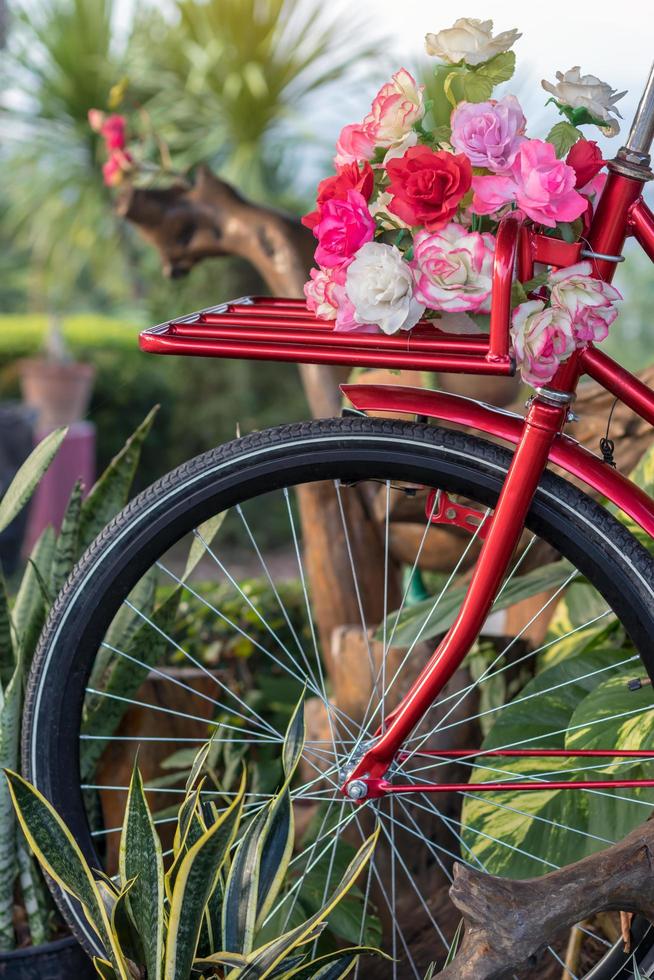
(406, 226)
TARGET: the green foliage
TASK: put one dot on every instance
(563, 136)
(221, 870)
(26, 480)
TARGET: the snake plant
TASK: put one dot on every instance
(204, 914)
(22, 615)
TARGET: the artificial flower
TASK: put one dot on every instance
(399, 149)
(574, 288)
(489, 133)
(319, 293)
(96, 118)
(469, 40)
(591, 324)
(453, 269)
(542, 338)
(354, 145)
(119, 164)
(348, 177)
(344, 226)
(427, 186)
(587, 92)
(380, 287)
(395, 109)
(585, 158)
(113, 129)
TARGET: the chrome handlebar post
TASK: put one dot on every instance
(642, 128)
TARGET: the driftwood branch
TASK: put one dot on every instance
(509, 923)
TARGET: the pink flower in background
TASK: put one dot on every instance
(396, 107)
(489, 133)
(113, 129)
(344, 226)
(120, 162)
(573, 288)
(453, 269)
(354, 145)
(96, 119)
(542, 338)
(541, 185)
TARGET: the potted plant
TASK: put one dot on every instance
(209, 912)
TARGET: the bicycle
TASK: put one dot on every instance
(503, 503)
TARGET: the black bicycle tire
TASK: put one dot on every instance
(579, 527)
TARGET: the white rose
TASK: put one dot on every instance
(407, 141)
(470, 40)
(384, 218)
(379, 285)
(587, 92)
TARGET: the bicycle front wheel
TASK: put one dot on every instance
(204, 608)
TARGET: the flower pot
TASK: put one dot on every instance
(60, 391)
(63, 959)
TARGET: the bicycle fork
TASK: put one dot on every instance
(366, 780)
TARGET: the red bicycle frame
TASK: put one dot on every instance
(282, 329)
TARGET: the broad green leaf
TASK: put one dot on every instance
(35, 896)
(66, 548)
(262, 962)
(499, 69)
(476, 86)
(572, 630)
(140, 859)
(563, 137)
(60, 856)
(111, 492)
(29, 607)
(27, 479)
(11, 705)
(201, 541)
(430, 618)
(7, 654)
(534, 826)
(194, 885)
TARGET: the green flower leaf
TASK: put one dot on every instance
(563, 136)
(499, 69)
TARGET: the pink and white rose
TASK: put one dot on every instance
(542, 338)
(379, 284)
(574, 288)
(591, 324)
(489, 133)
(395, 109)
(344, 226)
(354, 145)
(453, 269)
(319, 293)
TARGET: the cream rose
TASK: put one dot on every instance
(379, 285)
(469, 40)
(587, 92)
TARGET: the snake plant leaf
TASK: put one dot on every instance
(202, 540)
(28, 476)
(140, 861)
(241, 890)
(126, 931)
(190, 827)
(435, 615)
(29, 609)
(199, 761)
(294, 740)
(7, 652)
(194, 885)
(533, 824)
(59, 854)
(333, 965)
(219, 959)
(66, 548)
(263, 962)
(36, 898)
(104, 969)
(11, 705)
(125, 624)
(111, 492)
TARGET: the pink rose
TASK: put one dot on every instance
(319, 293)
(542, 338)
(96, 119)
(120, 162)
(590, 324)
(354, 146)
(344, 226)
(573, 288)
(489, 133)
(396, 107)
(453, 269)
(347, 178)
(113, 130)
(542, 186)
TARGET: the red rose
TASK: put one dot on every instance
(347, 178)
(427, 186)
(585, 158)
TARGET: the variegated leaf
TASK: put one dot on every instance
(28, 476)
(140, 861)
(202, 540)
(35, 896)
(332, 966)
(66, 548)
(10, 715)
(7, 653)
(29, 609)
